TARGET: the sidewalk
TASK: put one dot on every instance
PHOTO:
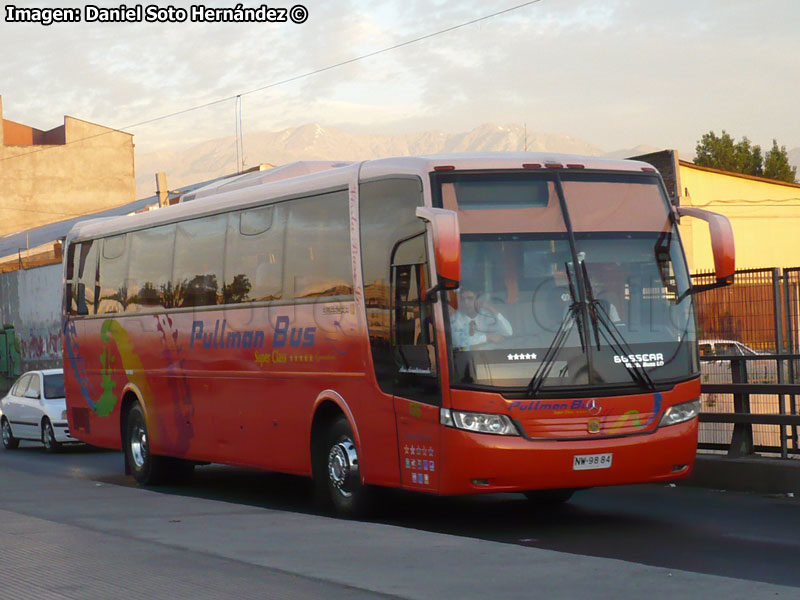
(746, 474)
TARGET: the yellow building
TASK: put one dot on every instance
(764, 213)
(74, 169)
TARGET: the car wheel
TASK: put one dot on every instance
(9, 441)
(342, 474)
(549, 497)
(49, 437)
(146, 468)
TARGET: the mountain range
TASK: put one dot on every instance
(217, 157)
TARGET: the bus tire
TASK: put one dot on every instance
(146, 468)
(49, 437)
(342, 474)
(9, 441)
(549, 497)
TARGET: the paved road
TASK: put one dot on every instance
(236, 533)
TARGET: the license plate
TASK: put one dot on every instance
(583, 462)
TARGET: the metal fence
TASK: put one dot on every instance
(750, 388)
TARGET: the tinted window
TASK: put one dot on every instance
(318, 247)
(199, 258)
(387, 214)
(87, 278)
(150, 268)
(254, 255)
(54, 385)
(71, 292)
(113, 271)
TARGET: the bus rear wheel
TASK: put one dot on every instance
(549, 497)
(350, 497)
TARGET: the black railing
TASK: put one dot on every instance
(748, 407)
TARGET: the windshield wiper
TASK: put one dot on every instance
(613, 336)
(565, 327)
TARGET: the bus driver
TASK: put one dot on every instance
(477, 321)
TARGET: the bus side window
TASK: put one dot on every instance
(318, 261)
(150, 269)
(254, 255)
(86, 277)
(199, 261)
(113, 272)
(71, 287)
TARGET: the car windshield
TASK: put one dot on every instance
(520, 290)
(54, 385)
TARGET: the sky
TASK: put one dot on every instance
(615, 73)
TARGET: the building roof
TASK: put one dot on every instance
(31, 238)
(691, 165)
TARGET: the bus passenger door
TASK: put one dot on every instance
(417, 390)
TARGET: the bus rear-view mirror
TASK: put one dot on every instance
(722, 245)
(446, 244)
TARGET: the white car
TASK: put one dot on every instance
(719, 371)
(35, 409)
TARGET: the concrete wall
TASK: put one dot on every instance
(91, 171)
(765, 216)
(31, 301)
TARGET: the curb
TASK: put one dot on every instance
(746, 474)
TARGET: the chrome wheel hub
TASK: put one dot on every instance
(343, 466)
(139, 446)
(6, 432)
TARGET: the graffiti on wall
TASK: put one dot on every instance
(40, 345)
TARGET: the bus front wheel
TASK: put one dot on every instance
(145, 468)
(350, 497)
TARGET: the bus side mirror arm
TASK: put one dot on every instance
(722, 246)
(446, 246)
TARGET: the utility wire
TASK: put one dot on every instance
(294, 78)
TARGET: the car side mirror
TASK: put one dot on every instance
(722, 244)
(32, 394)
(446, 244)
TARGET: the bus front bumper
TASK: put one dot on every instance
(482, 463)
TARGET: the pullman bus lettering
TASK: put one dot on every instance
(221, 338)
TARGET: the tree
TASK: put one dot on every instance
(725, 153)
(776, 165)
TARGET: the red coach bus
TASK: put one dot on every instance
(447, 324)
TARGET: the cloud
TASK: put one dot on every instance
(617, 73)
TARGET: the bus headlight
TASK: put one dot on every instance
(681, 412)
(477, 422)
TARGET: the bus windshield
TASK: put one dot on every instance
(584, 268)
